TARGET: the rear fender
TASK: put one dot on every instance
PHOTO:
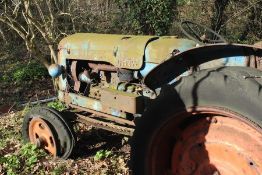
(182, 62)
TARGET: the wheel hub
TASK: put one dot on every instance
(41, 134)
(206, 141)
(218, 145)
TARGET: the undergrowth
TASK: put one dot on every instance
(22, 161)
(18, 158)
(102, 154)
(58, 105)
(24, 71)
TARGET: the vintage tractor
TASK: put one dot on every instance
(192, 106)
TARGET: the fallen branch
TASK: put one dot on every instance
(39, 101)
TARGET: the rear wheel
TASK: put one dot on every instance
(208, 123)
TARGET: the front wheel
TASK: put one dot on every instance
(46, 128)
(207, 123)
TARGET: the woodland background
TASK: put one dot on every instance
(38, 25)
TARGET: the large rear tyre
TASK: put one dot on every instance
(46, 128)
(207, 123)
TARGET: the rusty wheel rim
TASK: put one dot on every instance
(41, 135)
(206, 141)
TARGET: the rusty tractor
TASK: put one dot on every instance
(192, 106)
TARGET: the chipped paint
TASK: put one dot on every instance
(147, 68)
(235, 61)
(88, 103)
(116, 113)
(84, 101)
(162, 49)
(230, 61)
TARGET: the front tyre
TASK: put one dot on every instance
(207, 123)
(47, 128)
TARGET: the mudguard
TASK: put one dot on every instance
(181, 62)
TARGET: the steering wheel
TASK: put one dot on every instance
(200, 33)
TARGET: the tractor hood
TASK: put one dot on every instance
(165, 47)
(123, 51)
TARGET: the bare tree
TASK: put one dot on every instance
(35, 21)
(219, 14)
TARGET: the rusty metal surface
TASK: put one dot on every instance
(163, 48)
(105, 125)
(105, 116)
(206, 140)
(255, 61)
(124, 51)
(74, 76)
(89, 103)
(61, 81)
(180, 63)
(226, 143)
(124, 101)
(102, 67)
(41, 135)
(218, 144)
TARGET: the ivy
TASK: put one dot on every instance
(150, 16)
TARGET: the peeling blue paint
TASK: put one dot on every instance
(88, 103)
(148, 67)
(85, 102)
(116, 112)
(235, 61)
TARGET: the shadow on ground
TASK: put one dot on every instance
(91, 140)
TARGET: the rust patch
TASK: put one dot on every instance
(106, 125)
(127, 102)
(255, 61)
(102, 67)
(74, 76)
(105, 116)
